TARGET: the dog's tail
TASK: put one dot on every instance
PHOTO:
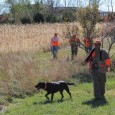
(71, 84)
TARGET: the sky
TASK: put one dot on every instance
(103, 6)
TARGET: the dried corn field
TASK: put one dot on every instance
(15, 38)
(28, 37)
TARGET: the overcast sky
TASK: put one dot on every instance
(103, 6)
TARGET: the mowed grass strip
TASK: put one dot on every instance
(80, 104)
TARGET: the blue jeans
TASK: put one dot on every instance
(54, 50)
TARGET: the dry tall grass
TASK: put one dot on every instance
(19, 72)
(21, 64)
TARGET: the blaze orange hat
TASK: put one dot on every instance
(97, 41)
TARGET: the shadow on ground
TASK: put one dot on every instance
(49, 102)
(94, 103)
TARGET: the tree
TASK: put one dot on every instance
(109, 35)
(38, 7)
(111, 5)
(51, 18)
(38, 18)
(12, 8)
(68, 15)
(88, 18)
(20, 9)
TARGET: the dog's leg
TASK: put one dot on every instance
(52, 95)
(61, 92)
(67, 89)
(47, 96)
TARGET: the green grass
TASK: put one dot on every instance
(80, 104)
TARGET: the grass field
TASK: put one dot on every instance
(80, 104)
(25, 59)
(82, 94)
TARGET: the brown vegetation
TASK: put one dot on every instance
(108, 18)
(23, 64)
(28, 38)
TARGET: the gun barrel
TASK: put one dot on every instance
(89, 55)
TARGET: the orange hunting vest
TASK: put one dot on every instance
(103, 65)
(55, 41)
(87, 42)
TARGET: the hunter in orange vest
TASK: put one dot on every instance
(74, 43)
(54, 44)
(99, 62)
(88, 44)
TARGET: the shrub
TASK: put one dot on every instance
(51, 18)
(88, 18)
(38, 18)
(68, 16)
(25, 20)
(82, 77)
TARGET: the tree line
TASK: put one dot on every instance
(49, 11)
(44, 11)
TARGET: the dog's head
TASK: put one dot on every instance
(40, 85)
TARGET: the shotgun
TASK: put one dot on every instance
(89, 55)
